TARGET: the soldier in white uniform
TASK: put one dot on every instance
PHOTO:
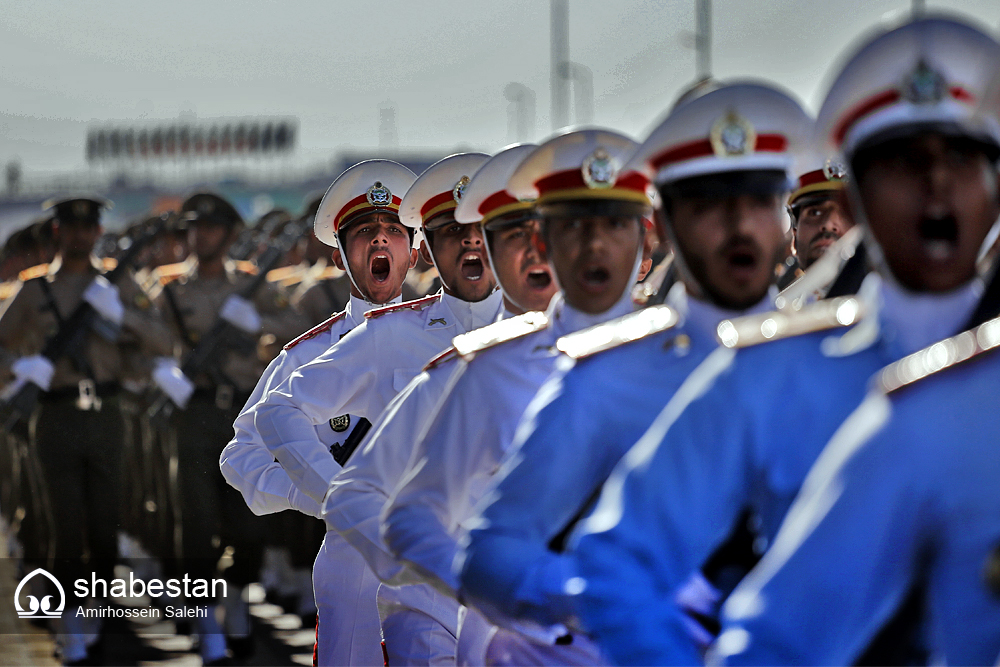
(422, 624)
(593, 218)
(363, 372)
(376, 245)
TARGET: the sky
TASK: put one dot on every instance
(68, 64)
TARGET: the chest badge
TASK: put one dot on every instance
(341, 423)
(437, 320)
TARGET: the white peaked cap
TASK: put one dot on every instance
(439, 188)
(930, 72)
(740, 126)
(817, 171)
(580, 164)
(372, 185)
(486, 195)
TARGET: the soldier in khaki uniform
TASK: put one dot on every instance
(211, 516)
(77, 428)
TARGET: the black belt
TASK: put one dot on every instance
(101, 390)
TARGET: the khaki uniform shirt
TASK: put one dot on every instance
(199, 301)
(28, 322)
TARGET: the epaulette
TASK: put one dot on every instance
(752, 330)
(109, 263)
(416, 304)
(33, 272)
(316, 330)
(171, 272)
(286, 275)
(440, 358)
(245, 266)
(608, 335)
(467, 345)
(9, 289)
(938, 357)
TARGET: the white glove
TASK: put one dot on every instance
(104, 297)
(698, 597)
(168, 376)
(240, 313)
(35, 368)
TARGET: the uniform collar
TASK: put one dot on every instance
(703, 316)
(566, 319)
(913, 320)
(356, 308)
(474, 315)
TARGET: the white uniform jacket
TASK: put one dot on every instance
(359, 376)
(246, 463)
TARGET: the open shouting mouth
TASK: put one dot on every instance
(379, 267)
(595, 277)
(539, 279)
(940, 236)
(472, 266)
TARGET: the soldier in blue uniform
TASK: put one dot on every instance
(904, 496)
(925, 184)
(724, 206)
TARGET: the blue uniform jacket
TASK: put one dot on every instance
(741, 433)
(576, 429)
(907, 493)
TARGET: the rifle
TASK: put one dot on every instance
(223, 335)
(245, 245)
(72, 333)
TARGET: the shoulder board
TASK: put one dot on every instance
(608, 335)
(9, 289)
(34, 272)
(109, 263)
(170, 272)
(316, 330)
(439, 359)
(286, 275)
(468, 344)
(243, 266)
(416, 304)
(753, 330)
(939, 356)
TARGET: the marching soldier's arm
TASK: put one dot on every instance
(143, 320)
(17, 318)
(457, 451)
(357, 495)
(845, 558)
(668, 503)
(338, 382)
(246, 463)
(508, 565)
